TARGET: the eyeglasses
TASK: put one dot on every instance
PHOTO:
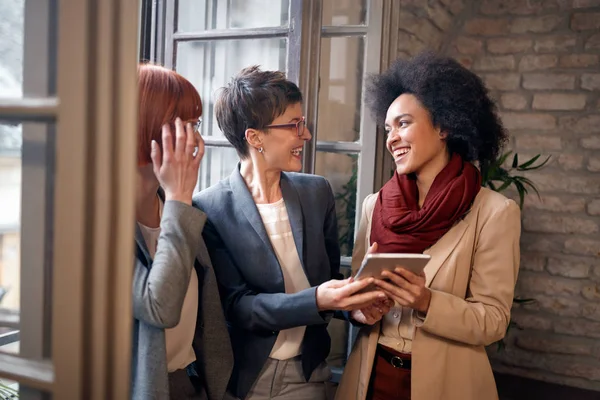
(300, 126)
(196, 123)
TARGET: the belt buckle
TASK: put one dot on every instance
(396, 362)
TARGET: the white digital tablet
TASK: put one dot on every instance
(374, 264)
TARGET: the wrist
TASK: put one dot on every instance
(186, 199)
(319, 300)
(424, 307)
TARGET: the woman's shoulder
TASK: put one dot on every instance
(299, 178)
(212, 196)
(369, 202)
(309, 183)
(489, 203)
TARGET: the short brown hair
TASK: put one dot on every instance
(163, 95)
(252, 100)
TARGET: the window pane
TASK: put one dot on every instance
(26, 167)
(10, 221)
(218, 163)
(210, 65)
(341, 170)
(13, 390)
(340, 92)
(11, 48)
(344, 12)
(195, 15)
(9, 341)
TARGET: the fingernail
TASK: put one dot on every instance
(177, 119)
(382, 296)
(371, 280)
(153, 143)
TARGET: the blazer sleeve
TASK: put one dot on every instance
(257, 312)
(482, 318)
(159, 291)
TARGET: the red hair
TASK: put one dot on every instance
(164, 95)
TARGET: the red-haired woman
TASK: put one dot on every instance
(179, 327)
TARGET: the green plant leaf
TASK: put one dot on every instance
(528, 163)
(522, 192)
(528, 182)
(534, 167)
(503, 158)
(504, 185)
(519, 300)
(515, 162)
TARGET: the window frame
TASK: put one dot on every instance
(304, 33)
(87, 223)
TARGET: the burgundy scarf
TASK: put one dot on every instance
(398, 224)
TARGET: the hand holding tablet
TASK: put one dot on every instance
(375, 263)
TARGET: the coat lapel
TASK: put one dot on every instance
(440, 251)
(294, 210)
(243, 199)
(245, 202)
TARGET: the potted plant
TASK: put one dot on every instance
(498, 178)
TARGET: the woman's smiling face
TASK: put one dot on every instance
(412, 139)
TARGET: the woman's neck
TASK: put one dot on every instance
(262, 183)
(428, 173)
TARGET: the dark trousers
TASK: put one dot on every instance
(389, 382)
(184, 385)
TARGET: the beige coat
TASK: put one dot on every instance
(472, 274)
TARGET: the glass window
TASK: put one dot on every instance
(218, 163)
(194, 15)
(10, 193)
(13, 390)
(11, 48)
(344, 12)
(341, 73)
(25, 167)
(11, 85)
(209, 65)
(341, 171)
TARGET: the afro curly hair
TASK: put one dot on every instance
(456, 98)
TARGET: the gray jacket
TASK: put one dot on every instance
(159, 288)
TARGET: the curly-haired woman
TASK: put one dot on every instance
(440, 125)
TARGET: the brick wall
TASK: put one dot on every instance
(541, 60)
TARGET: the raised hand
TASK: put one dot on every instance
(177, 168)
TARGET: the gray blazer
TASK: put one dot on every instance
(249, 275)
(159, 288)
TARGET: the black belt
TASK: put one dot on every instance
(395, 360)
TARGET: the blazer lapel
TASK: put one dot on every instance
(294, 210)
(244, 201)
(440, 251)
